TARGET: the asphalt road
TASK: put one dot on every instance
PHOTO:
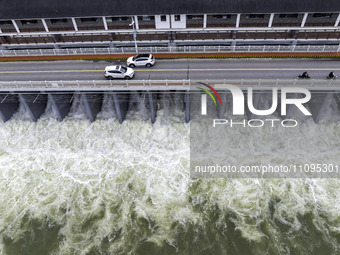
(172, 69)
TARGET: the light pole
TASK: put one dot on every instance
(134, 33)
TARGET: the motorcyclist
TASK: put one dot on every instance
(305, 75)
(331, 75)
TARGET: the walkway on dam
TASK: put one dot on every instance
(172, 69)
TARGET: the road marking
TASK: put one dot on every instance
(244, 69)
(53, 71)
(183, 70)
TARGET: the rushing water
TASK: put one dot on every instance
(77, 187)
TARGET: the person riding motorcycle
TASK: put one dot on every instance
(304, 75)
(331, 75)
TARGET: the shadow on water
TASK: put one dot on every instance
(41, 237)
(197, 239)
(307, 234)
(218, 232)
(214, 239)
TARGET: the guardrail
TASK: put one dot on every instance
(171, 49)
(109, 85)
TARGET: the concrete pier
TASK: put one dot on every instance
(121, 102)
(292, 108)
(337, 99)
(318, 104)
(222, 108)
(152, 106)
(93, 104)
(255, 104)
(61, 104)
(187, 107)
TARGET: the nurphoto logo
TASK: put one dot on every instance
(238, 104)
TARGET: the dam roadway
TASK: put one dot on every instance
(37, 84)
(171, 69)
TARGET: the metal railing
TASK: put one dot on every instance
(171, 49)
(109, 85)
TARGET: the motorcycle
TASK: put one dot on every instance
(303, 76)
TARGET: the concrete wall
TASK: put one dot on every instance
(180, 23)
(34, 103)
(121, 103)
(9, 104)
(186, 105)
(162, 24)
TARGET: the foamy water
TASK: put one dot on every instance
(77, 187)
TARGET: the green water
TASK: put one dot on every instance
(105, 188)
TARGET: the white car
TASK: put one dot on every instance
(118, 72)
(141, 60)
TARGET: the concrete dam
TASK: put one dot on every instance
(35, 103)
(34, 97)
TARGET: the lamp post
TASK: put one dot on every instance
(134, 33)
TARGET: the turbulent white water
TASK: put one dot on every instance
(77, 187)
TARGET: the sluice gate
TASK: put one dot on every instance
(153, 96)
